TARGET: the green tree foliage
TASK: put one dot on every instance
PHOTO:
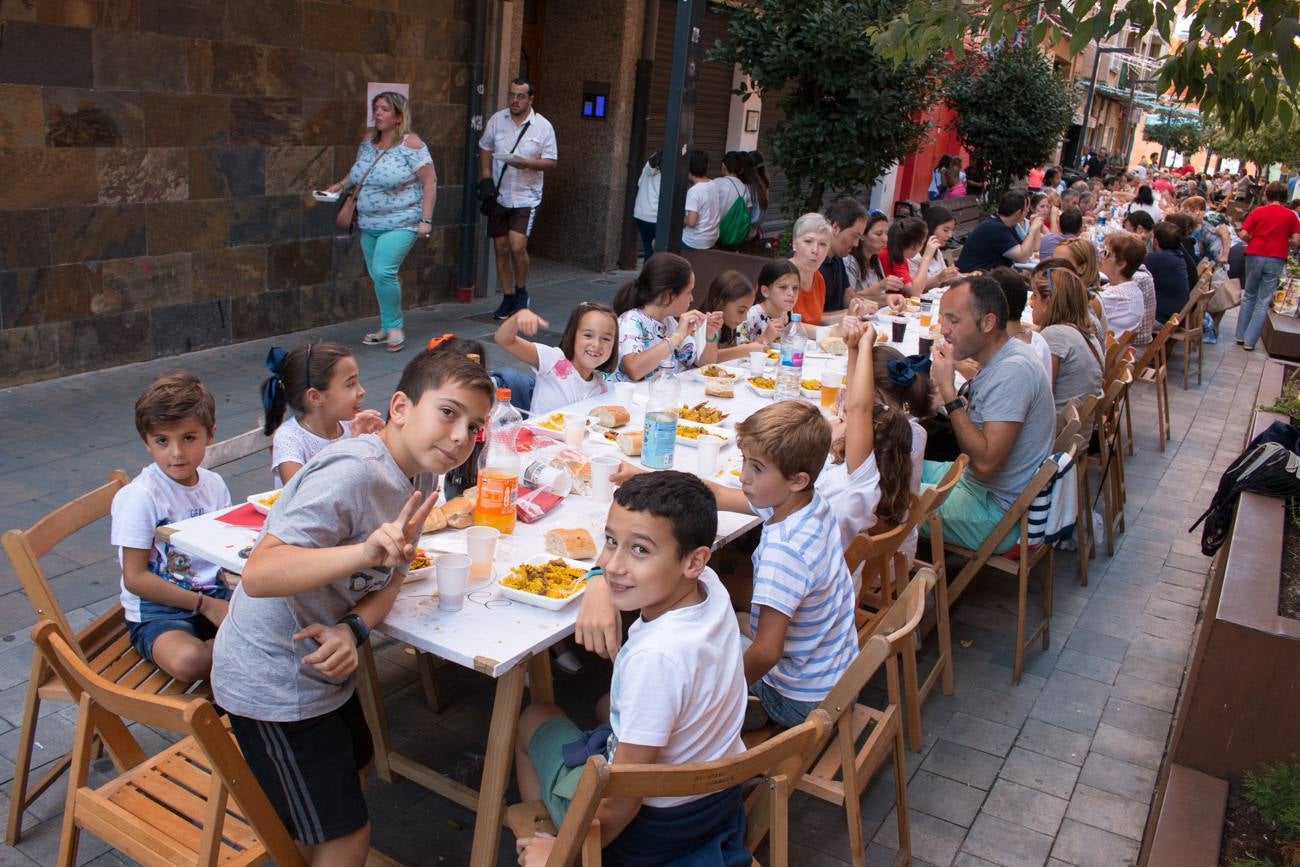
(849, 114)
(1182, 134)
(1237, 55)
(1268, 144)
(1012, 111)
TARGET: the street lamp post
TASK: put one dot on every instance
(1130, 128)
(1092, 87)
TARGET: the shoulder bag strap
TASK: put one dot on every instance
(518, 139)
(372, 167)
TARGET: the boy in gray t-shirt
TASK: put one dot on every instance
(325, 570)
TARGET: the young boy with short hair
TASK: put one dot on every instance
(678, 688)
(801, 614)
(324, 572)
(173, 602)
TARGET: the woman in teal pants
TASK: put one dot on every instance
(398, 186)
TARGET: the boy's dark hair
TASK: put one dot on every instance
(698, 165)
(793, 434)
(844, 212)
(986, 297)
(662, 274)
(570, 335)
(1071, 221)
(689, 506)
(1168, 236)
(460, 346)
(310, 365)
(434, 368)
(1140, 220)
(1014, 289)
(1010, 203)
(171, 399)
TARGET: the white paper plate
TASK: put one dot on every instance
(255, 500)
(712, 430)
(761, 392)
(322, 196)
(543, 601)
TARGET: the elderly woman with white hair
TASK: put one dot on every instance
(396, 188)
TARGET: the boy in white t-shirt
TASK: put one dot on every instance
(575, 371)
(703, 221)
(678, 688)
(173, 602)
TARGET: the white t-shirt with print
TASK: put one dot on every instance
(558, 382)
(755, 324)
(294, 444)
(679, 684)
(703, 200)
(637, 332)
(151, 500)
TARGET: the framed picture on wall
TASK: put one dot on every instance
(751, 120)
(375, 88)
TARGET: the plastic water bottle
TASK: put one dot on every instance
(659, 439)
(498, 467)
(789, 372)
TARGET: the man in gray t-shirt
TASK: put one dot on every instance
(1003, 418)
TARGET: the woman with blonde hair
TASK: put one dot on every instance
(811, 243)
(396, 187)
(1059, 304)
(1082, 257)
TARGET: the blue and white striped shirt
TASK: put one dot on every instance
(799, 571)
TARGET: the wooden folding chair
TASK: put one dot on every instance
(1110, 437)
(236, 448)
(1022, 566)
(1086, 410)
(1153, 368)
(778, 760)
(1117, 349)
(840, 770)
(171, 808)
(104, 645)
(1192, 334)
(935, 523)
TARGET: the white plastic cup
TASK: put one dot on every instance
(603, 468)
(481, 542)
(453, 576)
(542, 475)
(757, 363)
(623, 393)
(821, 332)
(707, 449)
(575, 430)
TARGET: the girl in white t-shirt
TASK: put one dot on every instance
(576, 370)
(322, 384)
(656, 325)
(778, 290)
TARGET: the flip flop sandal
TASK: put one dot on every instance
(396, 347)
(375, 338)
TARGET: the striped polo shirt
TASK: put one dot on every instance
(799, 571)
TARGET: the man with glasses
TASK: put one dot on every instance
(517, 146)
(1004, 418)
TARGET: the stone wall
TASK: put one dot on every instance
(156, 158)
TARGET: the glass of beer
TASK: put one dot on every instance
(925, 317)
(832, 382)
(1279, 299)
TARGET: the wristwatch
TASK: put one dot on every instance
(955, 404)
(358, 626)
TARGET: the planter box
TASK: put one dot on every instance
(1281, 337)
(1241, 693)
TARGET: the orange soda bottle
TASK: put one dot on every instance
(498, 467)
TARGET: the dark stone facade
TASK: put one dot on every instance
(156, 158)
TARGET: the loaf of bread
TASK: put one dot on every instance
(720, 388)
(459, 512)
(436, 521)
(610, 416)
(576, 544)
(630, 442)
(834, 345)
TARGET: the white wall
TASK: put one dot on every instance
(737, 138)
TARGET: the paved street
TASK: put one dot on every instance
(1057, 770)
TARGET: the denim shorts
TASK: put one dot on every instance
(156, 619)
(780, 709)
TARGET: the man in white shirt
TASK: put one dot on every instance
(517, 146)
(703, 219)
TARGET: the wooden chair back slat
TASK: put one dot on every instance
(237, 447)
(905, 614)
(26, 548)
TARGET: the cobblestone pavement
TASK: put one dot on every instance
(1057, 770)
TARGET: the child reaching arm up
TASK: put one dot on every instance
(576, 370)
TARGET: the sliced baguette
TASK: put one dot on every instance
(576, 544)
(610, 416)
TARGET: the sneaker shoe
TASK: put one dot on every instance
(567, 662)
(755, 716)
(505, 308)
(1248, 347)
(1240, 342)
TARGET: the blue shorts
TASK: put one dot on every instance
(780, 709)
(156, 619)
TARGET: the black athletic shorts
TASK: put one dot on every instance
(310, 769)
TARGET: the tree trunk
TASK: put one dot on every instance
(813, 203)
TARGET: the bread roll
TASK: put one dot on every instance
(459, 512)
(576, 544)
(610, 416)
(436, 521)
(630, 442)
(724, 388)
(834, 345)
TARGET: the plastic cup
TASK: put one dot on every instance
(549, 477)
(453, 575)
(623, 393)
(899, 324)
(481, 542)
(925, 316)
(707, 449)
(603, 468)
(757, 363)
(575, 430)
(924, 344)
